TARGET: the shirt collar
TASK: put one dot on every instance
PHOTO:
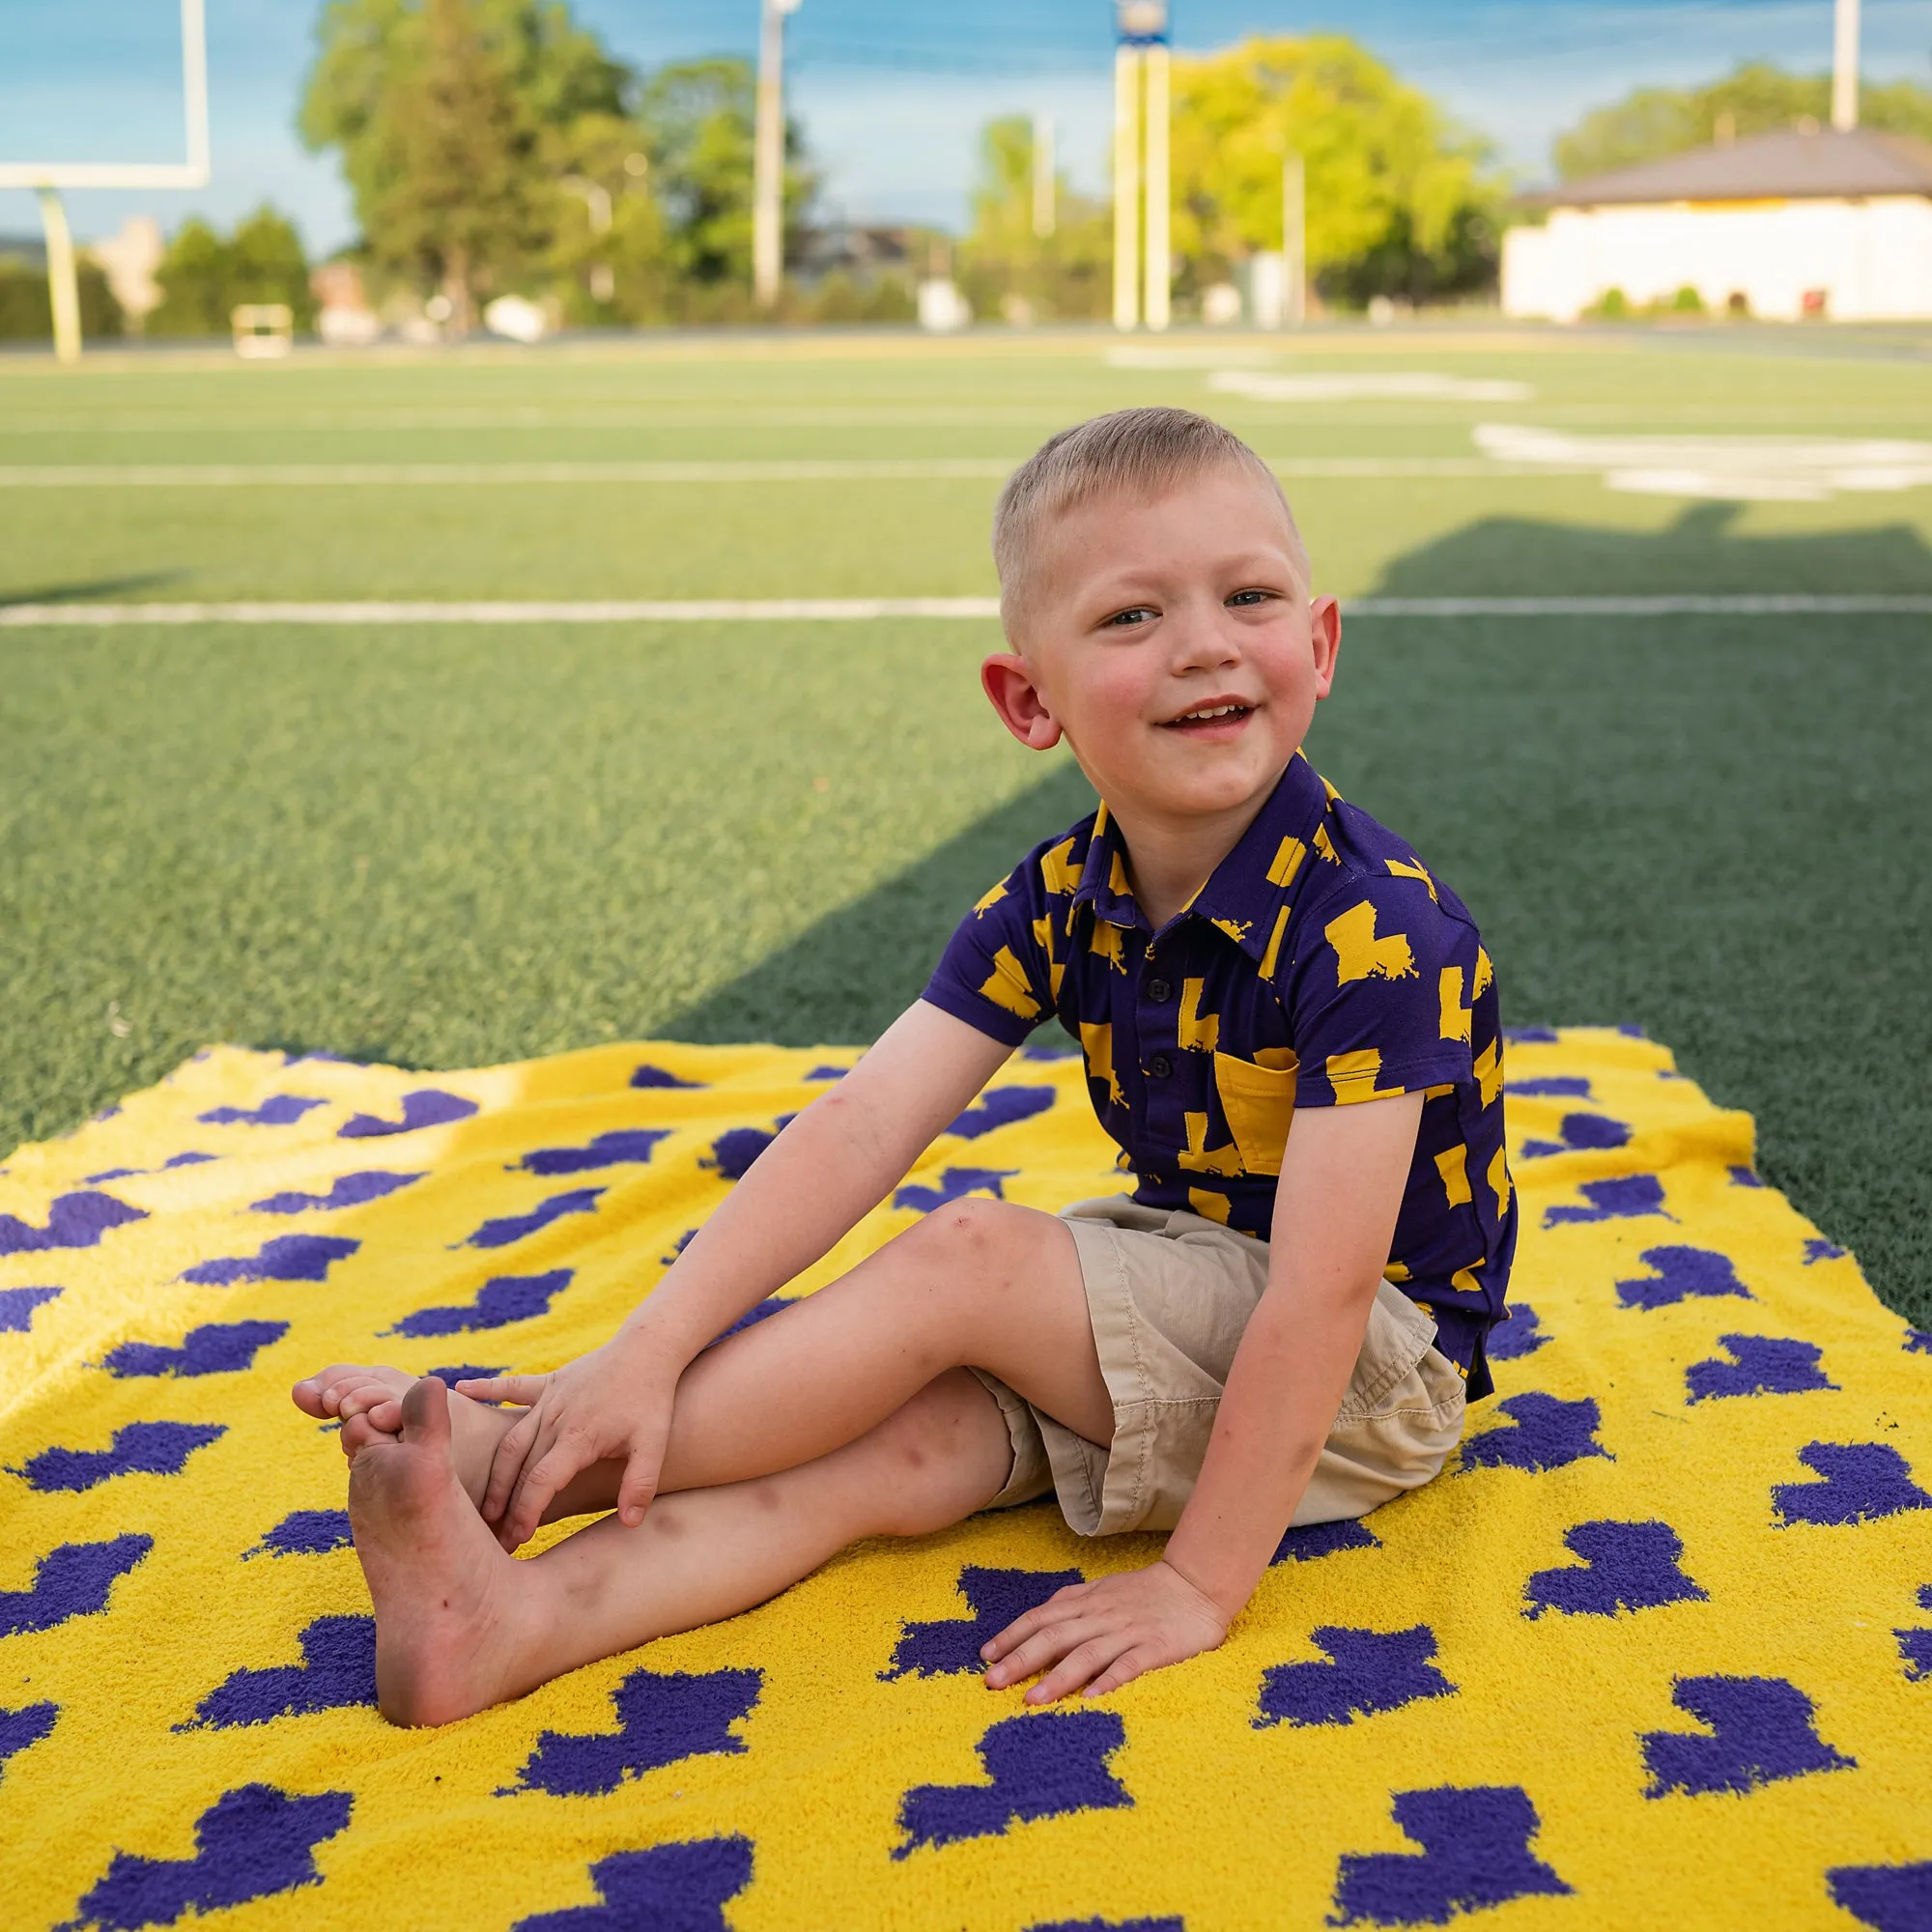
(1247, 887)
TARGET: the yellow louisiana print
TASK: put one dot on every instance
(1656, 1650)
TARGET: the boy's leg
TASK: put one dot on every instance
(980, 1283)
(460, 1625)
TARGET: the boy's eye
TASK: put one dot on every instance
(1244, 597)
(1140, 613)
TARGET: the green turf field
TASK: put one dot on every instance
(449, 844)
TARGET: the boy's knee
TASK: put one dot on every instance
(935, 1463)
(981, 1240)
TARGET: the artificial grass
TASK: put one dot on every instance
(451, 846)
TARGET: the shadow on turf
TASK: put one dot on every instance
(852, 974)
(79, 593)
(1698, 552)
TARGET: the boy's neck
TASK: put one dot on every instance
(1170, 860)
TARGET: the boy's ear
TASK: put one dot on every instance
(1324, 635)
(1008, 680)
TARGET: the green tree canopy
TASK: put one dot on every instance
(1062, 275)
(1398, 198)
(203, 275)
(1653, 122)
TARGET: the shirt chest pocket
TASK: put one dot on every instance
(1257, 1099)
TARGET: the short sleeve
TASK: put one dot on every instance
(1380, 994)
(996, 972)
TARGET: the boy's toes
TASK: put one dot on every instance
(359, 1431)
(345, 1387)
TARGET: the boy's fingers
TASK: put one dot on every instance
(637, 1490)
(507, 1465)
(1078, 1666)
(523, 1390)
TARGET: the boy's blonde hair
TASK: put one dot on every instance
(1138, 453)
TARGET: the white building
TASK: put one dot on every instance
(1784, 225)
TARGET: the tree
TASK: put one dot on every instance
(1655, 122)
(1398, 198)
(204, 276)
(1063, 274)
(696, 118)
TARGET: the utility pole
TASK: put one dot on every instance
(1140, 30)
(1295, 239)
(1845, 66)
(1046, 208)
(768, 155)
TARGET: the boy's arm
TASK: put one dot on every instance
(827, 1169)
(1341, 1188)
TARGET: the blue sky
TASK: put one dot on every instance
(892, 92)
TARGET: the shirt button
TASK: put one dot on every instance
(1160, 1067)
(1160, 992)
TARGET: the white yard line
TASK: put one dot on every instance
(850, 609)
(442, 476)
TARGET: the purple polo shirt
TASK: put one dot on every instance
(1322, 964)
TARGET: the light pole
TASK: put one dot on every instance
(1845, 66)
(768, 155)
(1140, 33)
(1044, 199)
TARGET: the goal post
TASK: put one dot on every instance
(47, 177)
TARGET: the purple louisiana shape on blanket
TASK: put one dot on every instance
(1166, 1922)
(278, 1110)
(1626, 1566)
(955, 1184)
(21, 1729)
(953, 1643)
(661, 1717)
(215, 1348)
(618, 1148)
(1819, 1249)
(1323, 1539)
(73, 1221)
(1041, 1767)
(348, 1190)
(1369, 1672)
(1050, 1046)
(768, 1306)
(1679, 1274)
(1915, 1645)
(828, 1072)
(648, 1075)
(18, 1305)
(1476, 1853)
(1889, 1898)
(1918, 1341)
(138, 1449)
(465, 1372)
(427, 1107)
(675, 1888)
(251, 1842)
(1628, 1197)
(501, 1299)
(1744, 1177)
(1546, 1435)
(306, 1533)
(1531, 1035)
(285, 1258)
(71, 1580)
(734, 1150)
(1551, 1087)
(1519, 1333)
(337, 1672)
(1759, 1365)
(1762, 1731)
(510, 1228)
(1001, 1107)
(1593, 1132)
(1861, 1481)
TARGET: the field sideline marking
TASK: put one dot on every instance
(848, 609)
(919, 470)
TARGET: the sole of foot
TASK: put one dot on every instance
(446, 1633)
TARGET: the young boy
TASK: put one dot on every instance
(1290, 1027)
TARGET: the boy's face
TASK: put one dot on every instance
(1173, 644)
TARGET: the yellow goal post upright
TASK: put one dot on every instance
(47, 177)
(1141, 68)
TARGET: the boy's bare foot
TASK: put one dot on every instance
(447, 1622)
(349, 1389)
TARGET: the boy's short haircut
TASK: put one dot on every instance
(1137, 453)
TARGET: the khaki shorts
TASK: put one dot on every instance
(1169, 1294)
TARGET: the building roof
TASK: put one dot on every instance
(1788, 165)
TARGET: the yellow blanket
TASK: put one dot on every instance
(1657, 1651)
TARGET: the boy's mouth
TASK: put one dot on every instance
(1220, 714)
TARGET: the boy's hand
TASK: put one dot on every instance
(610, 1406)
(1105, 1633)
